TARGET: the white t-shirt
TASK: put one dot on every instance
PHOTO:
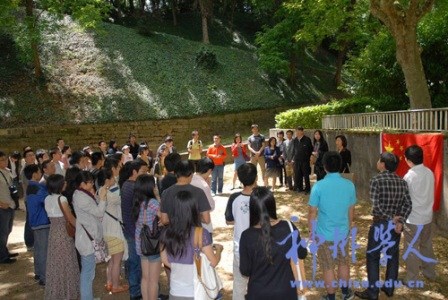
(420, 180)
(52, 205)
(238, 211)
(200, 182)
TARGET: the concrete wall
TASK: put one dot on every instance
(153, 132)
(365, 150)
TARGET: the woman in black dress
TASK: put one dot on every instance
(262, 258)
(341, 147)
(320, 146)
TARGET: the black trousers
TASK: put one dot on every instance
(302, 170)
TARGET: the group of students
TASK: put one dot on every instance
(114, 200)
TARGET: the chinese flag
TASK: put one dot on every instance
(432, 145)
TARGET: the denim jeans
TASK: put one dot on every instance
(6, 221)
(217, 179)
(87, 276)
(40, 251)
(373, 258)
(133, 269)
(28, 234)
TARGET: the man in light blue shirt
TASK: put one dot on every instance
(332, 200)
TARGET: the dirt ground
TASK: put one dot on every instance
(16, 280)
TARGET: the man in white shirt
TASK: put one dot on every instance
(201, 179)
(237, 214)
(420, 180)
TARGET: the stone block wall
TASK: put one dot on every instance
(153, 132)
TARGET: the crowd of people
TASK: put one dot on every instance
(111, 194)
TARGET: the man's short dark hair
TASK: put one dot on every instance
(281, 132)
(247, 174)
(95, 157)
(100, 142)
(53, 152)
(44, 164)
(30, 170)
(76, 157)
(26, 152)
(171, 160)
(2, 154)
(204, 165)
(184, 168)
(289, 131)
(300, 128)
(414, 154)
(332, 161)
(390, 161)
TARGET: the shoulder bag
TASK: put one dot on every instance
(298, 269)
(149, 238)
(71, 230)
(99, 248)
(207, 283)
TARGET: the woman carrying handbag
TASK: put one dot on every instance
(177, 244)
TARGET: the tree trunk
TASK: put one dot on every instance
(174, 9)
(142, 6)
(340, 63)
(409, 58)
(293, 68)
(31, 23)
(131, 6)
(205, 38)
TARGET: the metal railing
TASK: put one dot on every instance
(412, 120)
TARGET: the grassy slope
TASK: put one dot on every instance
(120, 74)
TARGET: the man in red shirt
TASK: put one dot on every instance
(218, 154)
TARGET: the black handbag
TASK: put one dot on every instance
(149, 238)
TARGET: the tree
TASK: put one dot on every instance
(27, 31)
(401, 18)
(206, 7)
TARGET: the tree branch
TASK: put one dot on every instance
(424, 8)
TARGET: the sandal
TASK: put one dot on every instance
(120, 289)
(108, 286)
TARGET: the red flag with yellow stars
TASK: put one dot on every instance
(432, 145)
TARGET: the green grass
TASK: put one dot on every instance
(119, 75)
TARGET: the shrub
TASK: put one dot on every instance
(311, 116)
(206, 59)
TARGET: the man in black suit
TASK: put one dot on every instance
(302, 153)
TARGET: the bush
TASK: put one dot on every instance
(311, 116)
(206, 59)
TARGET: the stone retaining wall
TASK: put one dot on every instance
(153, 132)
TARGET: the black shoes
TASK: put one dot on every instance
(8, 261)
(364, 295)
(387, 292)
(11, 255)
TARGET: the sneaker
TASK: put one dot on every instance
(213, 194)
(349, 296)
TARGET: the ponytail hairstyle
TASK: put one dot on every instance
(143, 192)
(262, 209)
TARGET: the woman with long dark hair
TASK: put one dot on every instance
(271, 156)
(239, 154)
(262, 259)
(320, 146)
(146, 210)
(178, 248)
(112, 221)
(62, 275)
(88, 219)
